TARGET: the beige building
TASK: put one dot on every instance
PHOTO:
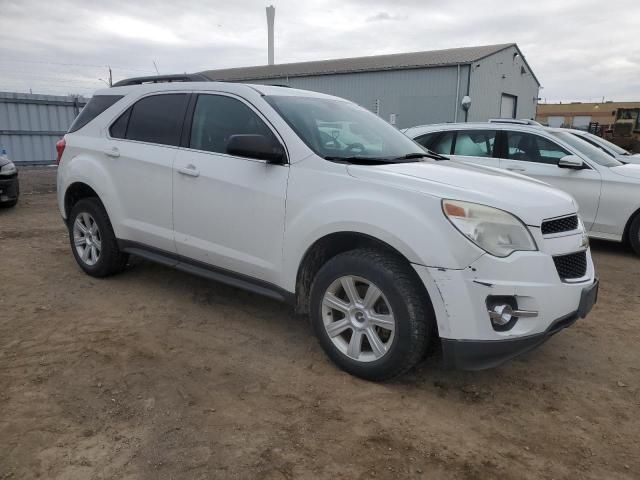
(579, 115)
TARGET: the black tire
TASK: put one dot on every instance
(9, 204)
(634, 234)
(111, 260)
(415, 321)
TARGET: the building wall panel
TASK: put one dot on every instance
(497, 74)
(416, 96)
(30, 125)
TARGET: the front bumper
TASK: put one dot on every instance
(459, 298)
(9, 189)
(482, 354)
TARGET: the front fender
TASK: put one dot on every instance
(410, 222)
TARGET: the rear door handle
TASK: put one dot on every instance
(516, 169)
(189, 170)
(112, 152)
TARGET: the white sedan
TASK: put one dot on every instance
(606, 190)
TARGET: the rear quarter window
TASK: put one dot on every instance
(95, 106)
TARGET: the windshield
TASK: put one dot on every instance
(597, 141)
(341, 130)
(584, 147)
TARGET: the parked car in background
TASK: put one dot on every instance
(313, 200)
(607, 191)
(9, 183)
(607, 147)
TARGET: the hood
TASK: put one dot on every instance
(529, 199)
(633, 159)
(630, 170)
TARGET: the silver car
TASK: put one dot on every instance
(607, 147)
(607, 191)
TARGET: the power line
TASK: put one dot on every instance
(9, 60)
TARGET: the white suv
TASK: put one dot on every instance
(386, 251)
(607, 191)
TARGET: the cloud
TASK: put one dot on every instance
(132, 28)
(384, 16)
(577, 49)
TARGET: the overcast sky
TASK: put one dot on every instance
(579, 49)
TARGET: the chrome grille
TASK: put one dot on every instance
(558, 225)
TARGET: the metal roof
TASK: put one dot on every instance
(433, 58)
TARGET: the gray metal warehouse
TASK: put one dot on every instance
(416, 88)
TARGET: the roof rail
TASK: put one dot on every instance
(187, 77)
(524, 121)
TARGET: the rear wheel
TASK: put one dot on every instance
(634, 234)
(93, 242)
(370, 314)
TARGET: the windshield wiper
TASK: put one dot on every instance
(428, 154)
(362, 160)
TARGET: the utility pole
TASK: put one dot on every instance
(271, 15)
(156, 67)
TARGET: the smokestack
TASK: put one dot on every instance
(271, 14)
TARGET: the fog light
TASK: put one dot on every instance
(501, 314)
(504, 313)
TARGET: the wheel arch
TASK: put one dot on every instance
(632, 217)
(76, 192)
(327, 247)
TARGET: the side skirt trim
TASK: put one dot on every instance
(205, 270)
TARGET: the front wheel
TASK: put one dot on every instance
(634, 234)
(370, 315)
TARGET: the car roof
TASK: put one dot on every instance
(227, 87)
(577, 131)
(438, 127)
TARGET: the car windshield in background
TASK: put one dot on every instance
(339, 130)
(593, 153)
(601, 141)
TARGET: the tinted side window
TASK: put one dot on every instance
(475, 143)
(91, 110)
(217, 117)
(532, 148)
(158, 119)
(426, 140)
(549, 152)
(119, 127)
(443, 143)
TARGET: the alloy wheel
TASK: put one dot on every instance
(358, 318)
(86, 238)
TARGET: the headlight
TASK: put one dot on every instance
(8, 169)
(495, 231)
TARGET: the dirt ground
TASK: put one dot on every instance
(158, 374)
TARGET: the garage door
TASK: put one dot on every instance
(555, 121)
(508, 106)
(581, 122)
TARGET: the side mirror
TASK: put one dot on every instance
(256, 146)
(571, 161)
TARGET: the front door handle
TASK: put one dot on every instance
(112, 152)
(189, 170)
(516, 169)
